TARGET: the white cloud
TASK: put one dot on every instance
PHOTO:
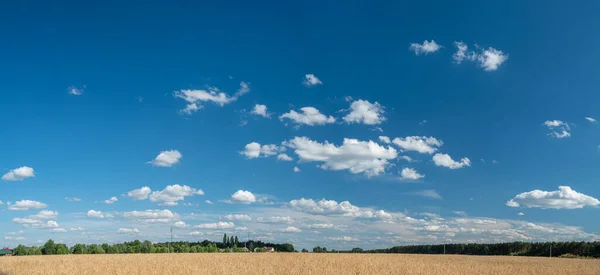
(58, 230)
(173, 193)
(446, 161)
(562, 134)
(18, 174)
(260, 110)
(322, 226)
(218, 225)
(366, 157)
(425, 48)
(79, 228)
(309, 116)
(291, 229)
(407, 158)
(26, 221)
(330, 207)
(560, 129)
(45, 215)
(72, 199)
(311, 80)
(591, 119)
(139, 194)
(554, 123)
(151, 216)
(1, 202)
(429, 194)
(284, 157)
(111, 200)
(423, 145)
(411, 174)
(72, 90)
(97, 214)
(128, 231)
(521, 214)
(212, 94)
(10, 238)
(489, 59)
(365, 112)
(241, 228)
(166, 158)
(26, 205)
(275, 219)
(563, 198)
(342, 239)
(254, 150)
(296, 169)
(238, 217)
(208, 202)
(196, 233)
(15, 233)
(180, 224)
(244, 197)
(384, 139)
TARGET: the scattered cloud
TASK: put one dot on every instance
(254, 150)
(366, 157)
(410, 174)
(590, 119)
(151, 216)
(11, 238)
(72, 90)
(166, 158)
(560, 129)
(18, 174)
(97, 214)
(330, 207)
(58, 230)
(208, 202)
(342, 239)
(111, 200)
(521, 214)
(365, 112)
(489, 59)
(45, 215)
(291, 229)
(128, 231)
(284, 157)
(425, 48)
(174, 193)
(384, 139)
(563, 198)
(296, 169)
(139, 194)
(26, 205)
(428, 194)
(311, 80)
(218, 225)
(74, 199)
(79, 228)
(445, 160)
(423, 145)
(260, 110)
(195, 97)
(308, 116)
(238, 217)
(275, 219)
(242, 197)
(180, 224)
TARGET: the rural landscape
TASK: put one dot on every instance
(299, 137)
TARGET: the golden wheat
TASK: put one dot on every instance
(293, 263)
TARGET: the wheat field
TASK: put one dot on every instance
(293, 263)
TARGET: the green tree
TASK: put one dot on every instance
(225, 239)
(62, 249)
(231, 241)
(129, 250)
(304, 250)
(237, 242)
(78, 249)
(21, 250)
(49, 248)
(146, 247)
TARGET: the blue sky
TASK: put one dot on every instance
(407, 122)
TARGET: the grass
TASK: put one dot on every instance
(293, 263)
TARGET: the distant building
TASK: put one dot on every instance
(269, 249)
(6, 252)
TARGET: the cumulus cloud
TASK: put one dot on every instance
(151, 216)
(260, 110)
(311, 80)
(180, 224)
(45, 215)
(322, 226)
(26, 205)
(563, 198)
(58, 230)
(521, 214)
(18, 174)
(410, 174)
(243, 197)
(423, 145)
(79, 228)
(384, 139)
(425, 48)
(275, 219)
(489, 59)
(296, 169)
(308, 116)
(254, 150)
(284, 157)
(166, 158)
(342, 239)
(353, 155)
(196, 233)
(330, 207)
(111, 200)
(128, 231)
(97, 214)
(139, 194)
(365, 112)
(559, 129)
(218, 225)
(445, 160)
(173, 193)
(195, 97)
(238, 217)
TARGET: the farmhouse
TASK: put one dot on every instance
(6, 252)
(269, 249)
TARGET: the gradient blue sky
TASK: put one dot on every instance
(529, 74)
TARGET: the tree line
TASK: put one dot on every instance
(231, 245)
(542, 249)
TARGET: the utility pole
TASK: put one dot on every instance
(169, 245)
(444, 248)
(550, 250)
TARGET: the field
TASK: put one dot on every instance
(288, 263)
